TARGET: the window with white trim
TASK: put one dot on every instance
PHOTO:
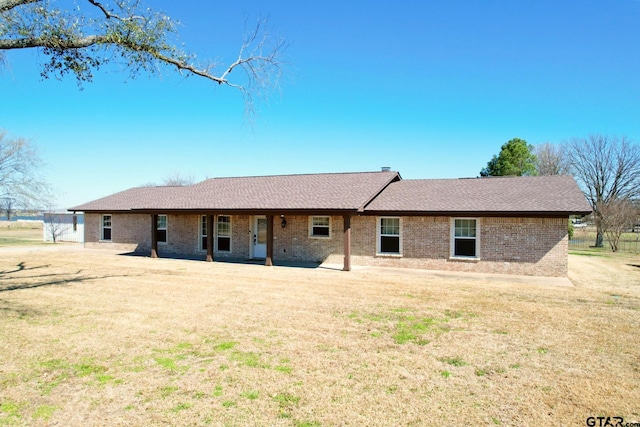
(203, 233)
(106, 228)
(320, 226)
(389, 241)
(465, 238)
(161, 229)
(224, 233)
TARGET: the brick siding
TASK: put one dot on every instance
(526, 246)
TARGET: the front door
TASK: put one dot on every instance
(260, 237)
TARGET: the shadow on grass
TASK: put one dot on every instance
(634, 265)
(52, 279)
(21, 266)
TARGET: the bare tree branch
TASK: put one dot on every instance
(607, 168)
(20, 180)
(6, 5)
(552, 159)
(76, 42)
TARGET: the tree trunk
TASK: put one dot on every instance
(599, 238)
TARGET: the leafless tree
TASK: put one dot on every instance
(608, 169)
(178, 180)
(20, 179)
(618, 216)
(54, 224)
(87, 34)
(7, 204)
(553, 159)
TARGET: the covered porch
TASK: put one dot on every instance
(262, 232)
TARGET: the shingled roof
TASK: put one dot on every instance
(376, 193)
(537, 195)
(334, 191)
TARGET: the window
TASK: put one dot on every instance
(106, 227)
(161, 228)
(203, 233)
(389, 236)
(224, 233)
(465, 237)
(320, 226)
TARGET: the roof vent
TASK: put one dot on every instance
(385, 168)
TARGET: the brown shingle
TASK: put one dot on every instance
(353, 191)
(337, 191)
(540, 194)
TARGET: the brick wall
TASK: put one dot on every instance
(293, 243)
(528, 246)
(524, 246)
(129, 232)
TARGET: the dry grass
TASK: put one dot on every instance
(92, 338)
(20, 233)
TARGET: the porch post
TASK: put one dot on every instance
(269, 259)
(346, 238)
(154, 236)
(209, 238)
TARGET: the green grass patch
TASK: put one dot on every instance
(248, 358)
(404, 336)
(10, 409)
(104, 378)
(405, 327)
(283, 368)
(44, 412)
(228, 403)
(286, 400)
(87, 368)
(250, 395)
(183, 346)
(229, 345)
(181, 407)
(454, 361)
(217, 391)
(445, 374)
(47, 387)
(168, 391)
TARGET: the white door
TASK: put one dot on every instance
(260, 237)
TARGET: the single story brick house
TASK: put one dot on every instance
(512, 225)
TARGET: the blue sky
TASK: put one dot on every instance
(431, 89)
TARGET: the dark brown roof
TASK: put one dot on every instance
(369, 192)
(510, 195)
(337, 191)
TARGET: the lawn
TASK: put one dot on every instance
(20, 233)
(93, 338)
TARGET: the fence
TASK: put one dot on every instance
(586, 238)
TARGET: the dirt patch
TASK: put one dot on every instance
(91, 337)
